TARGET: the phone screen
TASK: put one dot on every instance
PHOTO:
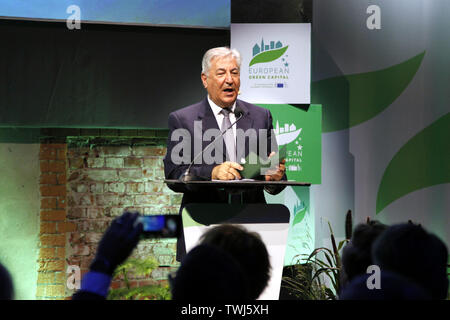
(160, 226)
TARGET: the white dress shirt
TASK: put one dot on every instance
(219, 116)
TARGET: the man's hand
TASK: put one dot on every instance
(278, 173)
(226, 171)
(117, 243)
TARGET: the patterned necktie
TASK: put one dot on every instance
(229, 135)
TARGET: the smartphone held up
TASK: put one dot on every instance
(160, 226)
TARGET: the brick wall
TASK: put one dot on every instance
(83, 188)
(53, 225)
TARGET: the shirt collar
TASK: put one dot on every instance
(216, 109)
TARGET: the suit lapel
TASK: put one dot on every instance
(207, 116)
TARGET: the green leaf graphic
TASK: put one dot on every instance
(298, 216)
(268, 56)
(302, 204)
(353, 99)
(422, 162)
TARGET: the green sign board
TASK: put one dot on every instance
(301, 132)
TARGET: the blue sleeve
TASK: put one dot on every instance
(96, 282)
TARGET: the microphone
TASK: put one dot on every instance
(187, 176)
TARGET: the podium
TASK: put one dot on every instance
(270, 221)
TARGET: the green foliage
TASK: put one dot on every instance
(150, 292)
(301, 285)
(138, 268)
(307, 283)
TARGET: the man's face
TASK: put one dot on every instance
(222, 81)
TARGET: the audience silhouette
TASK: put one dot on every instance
(412, 265)
(208, 273)
(248, 249)
(246, 257)
(6, 284)
(356, 255)
(409, 250)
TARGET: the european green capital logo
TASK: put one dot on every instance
(267, 52)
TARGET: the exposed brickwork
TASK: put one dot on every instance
(52, 234)
(82, 190)
(104, 181)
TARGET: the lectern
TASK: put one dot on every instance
(270, 221)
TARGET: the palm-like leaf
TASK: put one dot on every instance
(341, 244)
(326, 263)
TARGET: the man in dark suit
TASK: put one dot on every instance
(221, 78)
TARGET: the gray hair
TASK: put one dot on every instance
(219, 52)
